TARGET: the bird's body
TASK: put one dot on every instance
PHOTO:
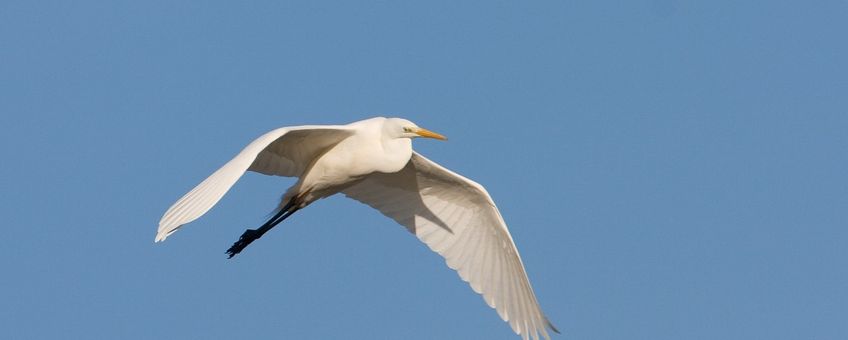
(372, 161)
(353, 158)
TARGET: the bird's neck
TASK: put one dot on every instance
(397, 154)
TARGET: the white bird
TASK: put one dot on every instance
(372, 161)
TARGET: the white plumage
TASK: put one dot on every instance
(372, 162)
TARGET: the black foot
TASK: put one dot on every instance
(249, 236)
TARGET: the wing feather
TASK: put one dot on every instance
(456, 218)
(282, 152)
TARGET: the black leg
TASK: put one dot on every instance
(251, 235)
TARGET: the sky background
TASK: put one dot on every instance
(668, 169)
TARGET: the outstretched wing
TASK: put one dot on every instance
(282, 152)
(457, 218)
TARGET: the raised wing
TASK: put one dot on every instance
(283, 152)
(456, 218)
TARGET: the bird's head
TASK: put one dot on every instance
(402, 128)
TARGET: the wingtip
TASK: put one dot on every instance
(161, 236)
(163, 233)
(551, 326)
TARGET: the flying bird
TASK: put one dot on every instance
(372, 161)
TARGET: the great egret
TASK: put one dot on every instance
(372, 161)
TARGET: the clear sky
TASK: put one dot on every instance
(668, 169)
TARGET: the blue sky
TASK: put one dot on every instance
(668, 169)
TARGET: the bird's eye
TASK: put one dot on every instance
(407, 130)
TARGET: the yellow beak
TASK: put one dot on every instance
(429, 134)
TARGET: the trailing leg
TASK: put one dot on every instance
(251, 235)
